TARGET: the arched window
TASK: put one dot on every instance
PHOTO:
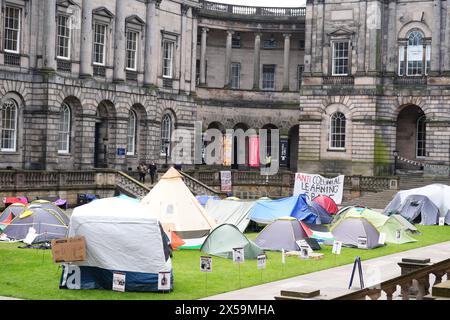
(131, 134)
(64, 129)
(337, 131)
(421, 137)
(417, 54)
(166, 133)
(9, 111)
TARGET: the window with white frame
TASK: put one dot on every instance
(337, 130)
(340, 58)
(131, 135)
(99, 43)
(12, 29)
(9, 111)
(235, 75)
(132, 45)
(166, 133)
(268, 79)
(421, 137)
(414, 55)
(168, 47)
(64, 129)
(63, 38)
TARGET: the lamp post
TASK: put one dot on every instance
(166, 150)
(395, 152)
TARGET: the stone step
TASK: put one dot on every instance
(441, 290)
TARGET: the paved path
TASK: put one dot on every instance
(334, 282)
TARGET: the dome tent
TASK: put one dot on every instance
(224, 238)
(10, 213)
(348, 230)
(327, 203)
(232, 212)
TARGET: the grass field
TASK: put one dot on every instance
(31, 274)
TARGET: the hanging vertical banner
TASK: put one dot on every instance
(314, 185)
(227, 149)
(253, 151)
(225, 181)
(284, 152)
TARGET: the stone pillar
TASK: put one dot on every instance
(184, 11)
(447, 39)
(194, 49)
(436, 36)
(392, 38)
(119, 42)
(203, 57)
(149, 73)
(86, 39)
(287, 49)
(50, 34)
(256, 61)
(228, 57)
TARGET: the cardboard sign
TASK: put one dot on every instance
(362, 242)
(261, 259)
(382, 238)
(69, 249)
(164, 281)
(118, 282)
(441, 221)
(337, 246)
(238, 255)
(205, 264)
(314, 185)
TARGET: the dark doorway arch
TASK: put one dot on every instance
(104, 134)
(293, 137)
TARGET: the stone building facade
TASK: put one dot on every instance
(104, 83)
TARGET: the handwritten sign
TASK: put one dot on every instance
(337, 246)
(314, 185)
(261, 261)
(225, 181)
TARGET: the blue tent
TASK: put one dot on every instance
(265, 212)
(324, 216)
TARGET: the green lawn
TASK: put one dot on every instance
(31, 274)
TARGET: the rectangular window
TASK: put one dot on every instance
(415, 60)
(63, 40)
(269, 44)
(99, 43)
(300, 69)
(340, 58)
(8, 126)
(301, 44)
(268, 79)
(132, 44)
(235, 75)
(236, 40)
(168, 58)
(401, 60)
(12, 29)
(427, 59)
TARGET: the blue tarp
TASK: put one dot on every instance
(204, 198)
(265, 212)
(324, 216)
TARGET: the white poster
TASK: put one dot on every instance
(382, 238)
(304, 252)
(164, 281)
(205, 264)
(303, 244)
(118, 281)
(337, 246)
(225, 181)
(261, 261)
(441, 221)
(314, 185)
(362, 242)
(238, 255)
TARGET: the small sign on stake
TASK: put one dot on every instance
(362, 242)
(238, 255)
(382, 238)
(441, 221)
(205, 264)
(337, 246)
(398, 234)
(164, 281)
(118, 281)
(304, 252)
(261, 259)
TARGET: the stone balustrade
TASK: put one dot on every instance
(253, 11)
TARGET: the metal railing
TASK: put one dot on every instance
(254, 11)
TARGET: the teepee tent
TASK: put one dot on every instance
(281, 234)
(172, 203)
(224, 238)
(121, 238)
(232, 212)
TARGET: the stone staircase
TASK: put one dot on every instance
(375, 200)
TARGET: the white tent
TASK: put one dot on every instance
(173, 204)
(230, 212)
(438, 194)
(120, 237)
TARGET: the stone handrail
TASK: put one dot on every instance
(404, 282)
(199, 188)
(131, 186)
(253, 11)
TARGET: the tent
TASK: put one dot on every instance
(224, 238)
(349, 230)
(10, 213)
(415, 208)
(172, 203)
(396, 228)
(57, 201)
(327, 203)
(266, 211)
(319, 232)
(121, 238)
(232, 212)
(203, 199)
(48, 223)
(323, 215)
(281, 234)
(10, 200)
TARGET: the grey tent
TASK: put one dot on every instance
(281, 234)
(349, 230)
(447, 218)
(415, 208)
(221, 241)
(48, 223)
(230, 211)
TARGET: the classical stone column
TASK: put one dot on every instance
(50, 34)
(184, 12)
(287, 49)
(447, 39)
(228, 57)
(119, 42)
(392, 37)
(149, 50)
(256, 61)
(86, 39)
(436, 36)
(194, 49)
(203, 56)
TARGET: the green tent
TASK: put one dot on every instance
(224, 238)
(395, 227)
